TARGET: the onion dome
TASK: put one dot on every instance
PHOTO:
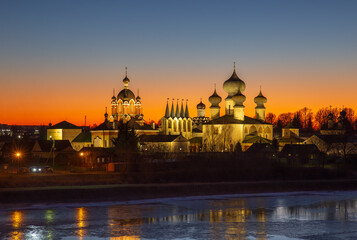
(201, 105)
(126, 94)
(260, 99)
(233, 84)
(239, 98)
(215, 99)
(138, 98)
(126, 80)
(114, 99)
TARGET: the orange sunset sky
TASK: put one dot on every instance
(59, 63)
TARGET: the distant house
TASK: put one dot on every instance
(335, 145)
(196, 144)
(250, 139)
(105, 133)
(164, 143)
(46, 149)
(63, 131)
(262, 151)
(96, 157)
(9, 149)
(84, 139)
(296, 154)
(290, 135)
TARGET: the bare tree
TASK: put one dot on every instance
(271, 118)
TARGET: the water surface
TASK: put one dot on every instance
(284, 216)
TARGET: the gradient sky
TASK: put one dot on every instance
(60, 60)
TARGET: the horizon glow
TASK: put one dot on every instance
(61, 60)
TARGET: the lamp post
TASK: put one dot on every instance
(18, 154)
(82, 156)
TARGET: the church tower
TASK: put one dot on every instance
(232, 86)
(260, 108)
(238, 108)
(215, 100)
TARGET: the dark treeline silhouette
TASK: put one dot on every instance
(306, 120)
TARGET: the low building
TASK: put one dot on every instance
(63, 131)
(84, 139)
(96, 157)
(48, 149)
(342, 146)
(262, 151)
(163, 143)
(297, 154)
(105, 133)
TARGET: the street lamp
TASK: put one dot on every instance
(18, 154)
(82, 156)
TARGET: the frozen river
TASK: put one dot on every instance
(284, 216)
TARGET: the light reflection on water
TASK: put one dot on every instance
(239, 218)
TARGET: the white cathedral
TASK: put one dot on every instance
(222, 133)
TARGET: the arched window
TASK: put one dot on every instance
(131, 107)
(170, 123)
(253, 130)
(184, 125)
(245, 130)
(120, 107)
(267, 130)
(189, 126)
(260, 130)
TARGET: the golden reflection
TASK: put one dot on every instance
(261, 230)
(126, 238)
(17, 219)
(81, 216)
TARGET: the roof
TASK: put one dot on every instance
(229, 119)
(161, 138)
(196, 140)
(83, 137)
(337, 138)
(98, 150)
(103, 126)
(261, 147)
(196, 130)
(300, 148)
(132, 123)
(64, 125)
(60, 145)
(256, 139)
(292, 139)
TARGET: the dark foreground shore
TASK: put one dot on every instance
(126, 192)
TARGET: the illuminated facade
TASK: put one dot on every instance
(125, 106)
(63, 131)
(176, 122)
(222, 133)
(125, 109)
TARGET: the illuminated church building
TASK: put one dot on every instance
(177, 122)
(125, 108)
(222, 133)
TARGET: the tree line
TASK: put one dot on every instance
(306, 120)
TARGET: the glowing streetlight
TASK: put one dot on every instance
(18, 154)
(82, 154)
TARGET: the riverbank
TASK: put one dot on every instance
(126, 192)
